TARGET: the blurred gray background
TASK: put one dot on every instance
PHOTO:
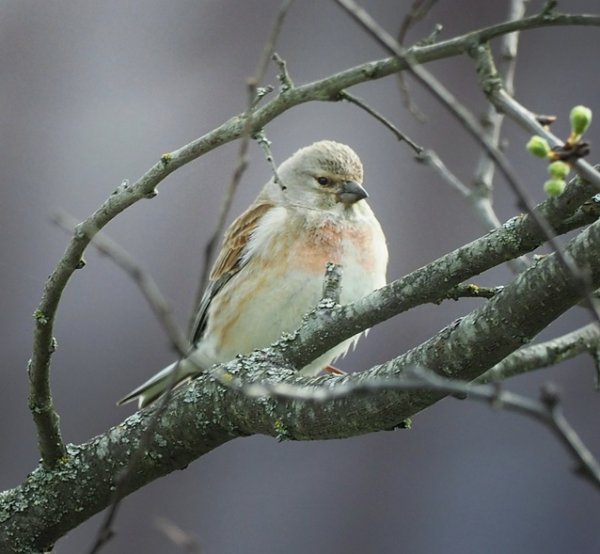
(92, 93)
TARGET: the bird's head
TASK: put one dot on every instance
(325, 175)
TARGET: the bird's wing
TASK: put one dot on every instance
(230, 261)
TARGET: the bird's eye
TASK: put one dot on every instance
(324, 181)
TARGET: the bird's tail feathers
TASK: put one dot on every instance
(157, 385)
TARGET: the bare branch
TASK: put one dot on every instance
(161, 310)
(265, 144)
(481, 193)
(546, 410)
(141, 278)
(484, 174)
(545, 354)
(432, 160)
(205, 414)
(418, 11)
(402, 137)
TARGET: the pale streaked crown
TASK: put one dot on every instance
(330, 157)
(301, 176)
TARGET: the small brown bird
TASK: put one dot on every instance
(270, 270)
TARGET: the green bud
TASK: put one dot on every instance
(538, 146)
(581, 117)
(558, 169)
(554, 187)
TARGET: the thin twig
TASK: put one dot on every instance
(546, 410)
(402, 137)
(265, 144)
(518, 113)
(432, 160)
(545, 354)
(427, 157)
(418, 11)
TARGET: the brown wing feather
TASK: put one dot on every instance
(229, 261)
(236, 238)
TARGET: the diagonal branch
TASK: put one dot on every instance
(547, 410)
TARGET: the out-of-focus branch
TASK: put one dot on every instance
(418, 11)
(141, 278)
(480, 194)
(484, 175)
(426, 157)
(180, 345)
(179, 537)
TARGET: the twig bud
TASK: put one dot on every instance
(581, 118)
(538, 146)
(554, 187)
(558, 170)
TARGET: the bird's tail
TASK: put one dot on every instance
(157, 385)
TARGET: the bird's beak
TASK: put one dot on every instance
(351, 192)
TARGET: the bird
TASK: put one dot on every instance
(269, 272)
